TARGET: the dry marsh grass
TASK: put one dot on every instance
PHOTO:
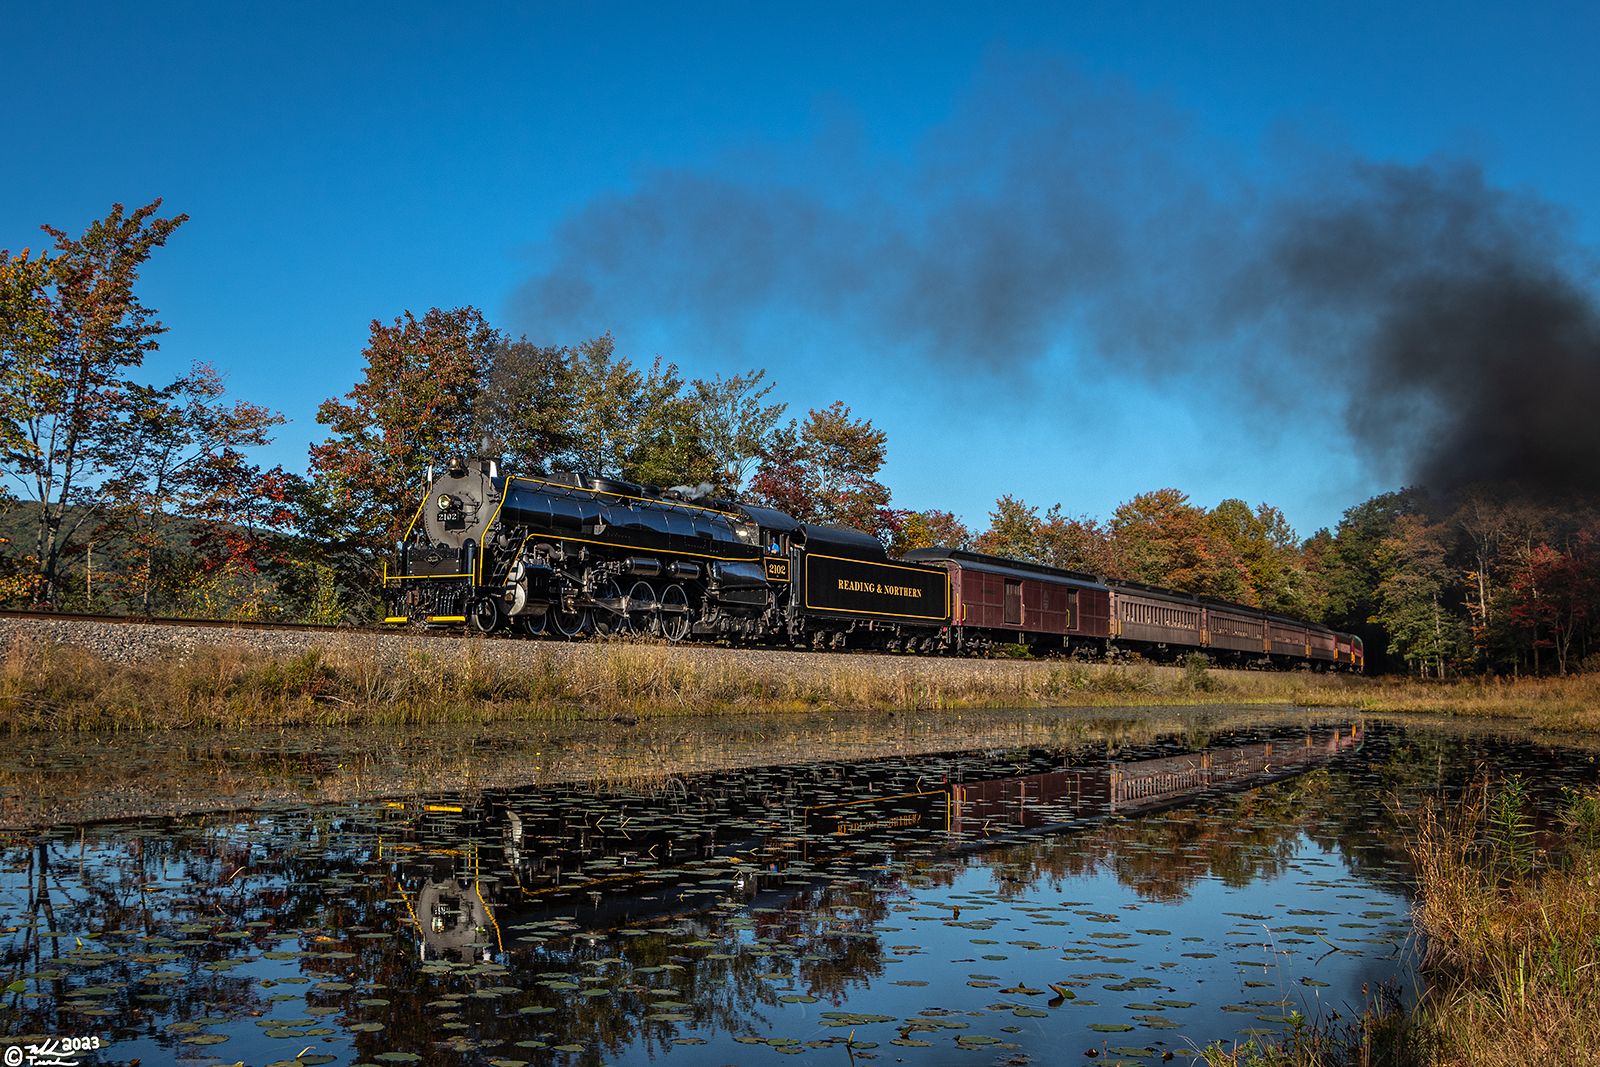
(1512, 929)
(352, 681)
(1511, 923)
(1570, 704)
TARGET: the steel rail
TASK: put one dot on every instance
(163, 620)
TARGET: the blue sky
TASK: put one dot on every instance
(344, 162)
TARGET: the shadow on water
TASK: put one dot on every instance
(1140, 898)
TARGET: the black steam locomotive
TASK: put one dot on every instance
(574, 553)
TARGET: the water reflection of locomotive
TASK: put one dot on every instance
(573, 553)
(639, 859)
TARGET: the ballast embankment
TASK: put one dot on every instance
(74, 674)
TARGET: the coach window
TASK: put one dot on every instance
(1013, 603)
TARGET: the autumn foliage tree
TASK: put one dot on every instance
(1552, 596)
(926, 529)
(183, 456)
(825, 470)
(72, 328)
(414, 405)
(1233, 551)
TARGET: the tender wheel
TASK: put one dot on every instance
(484, 616)
(642, 617)
(532, 625)
(674, 613)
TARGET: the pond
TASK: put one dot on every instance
(1014, 905)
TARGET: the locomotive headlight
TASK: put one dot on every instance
(446, 502)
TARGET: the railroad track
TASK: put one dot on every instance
(159, 620)
(230, 624)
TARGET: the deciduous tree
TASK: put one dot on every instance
(72, 329)
(1552, 596)
(1263, 543)
(1348, 568)
(414, 405)
(926, 529)
(1013, 531)
(1075, 544)
(181, 457)
(1161, 538)
(736, 428)
(632, 423)
(527, 403)
(825, 470)
(1413, 595)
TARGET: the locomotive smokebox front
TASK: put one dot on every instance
(461, 503)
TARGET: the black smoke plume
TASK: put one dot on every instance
(1457, 321)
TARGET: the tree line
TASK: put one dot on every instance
(157, 481)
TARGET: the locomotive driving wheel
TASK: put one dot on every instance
(568, 623)
(484, 615)
(610, 613)
(641, 617)
(673, 614)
